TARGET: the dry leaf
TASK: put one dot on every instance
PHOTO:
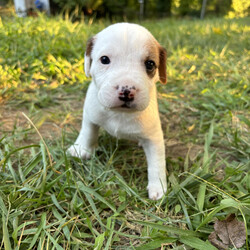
(213, 239)
(230, 231)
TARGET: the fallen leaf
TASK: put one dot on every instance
(230, 231)
(213, 239)
(237, 233)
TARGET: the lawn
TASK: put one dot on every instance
(53, 201)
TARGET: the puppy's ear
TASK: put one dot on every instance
(162, 65)
(87, 56)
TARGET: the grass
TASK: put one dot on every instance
(49, 200)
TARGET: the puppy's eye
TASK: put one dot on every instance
(105, 60)
(150, 65)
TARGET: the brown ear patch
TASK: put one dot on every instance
(90, 45)
(162, 65)
(87, 58)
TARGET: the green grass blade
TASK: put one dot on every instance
(52, 183)
(197, 243)
(56, 203)
(208, 141)
(55, 244)
(201, 196)
(31, 164)
(185, 211)
(20, 228)
(128, 189)
(99, 242)
(44, 160)
(203, 187)
(168, 229)
(110, 231)
(93, 206)
(62, 225)
(3, 208)
(90, 191)
(245, 224)
(155, 244)
(226, 203)
(13, 152)
(38, 231)
(6, 237)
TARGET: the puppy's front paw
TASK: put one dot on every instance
(79, 151)
(155, 192)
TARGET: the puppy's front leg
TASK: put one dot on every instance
(155, 154)
(86, 140)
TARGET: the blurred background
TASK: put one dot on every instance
(129, 9)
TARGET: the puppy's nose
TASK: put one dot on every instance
(127, 94)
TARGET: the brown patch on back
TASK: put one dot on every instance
(90, 45)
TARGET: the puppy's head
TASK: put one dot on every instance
(125, 61)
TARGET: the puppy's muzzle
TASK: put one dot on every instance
(127, 95)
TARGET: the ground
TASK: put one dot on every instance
(48, 198)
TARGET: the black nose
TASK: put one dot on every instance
(126, 95)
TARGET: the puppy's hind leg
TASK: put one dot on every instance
(86, 141)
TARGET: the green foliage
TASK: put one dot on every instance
(66, 4)
(100, 8)
(241, 8)
(129, 9)
(50, 199)
(193, 7)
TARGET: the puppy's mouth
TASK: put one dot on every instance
(126, 105)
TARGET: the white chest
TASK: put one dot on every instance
(121, 125)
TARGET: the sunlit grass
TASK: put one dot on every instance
(102, 203)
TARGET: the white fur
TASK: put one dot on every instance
(127, 46)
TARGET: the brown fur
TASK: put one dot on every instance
(162, 65)
(159, 55)
(90, 45)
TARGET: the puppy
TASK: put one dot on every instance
(125, 61)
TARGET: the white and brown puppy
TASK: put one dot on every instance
(125, 61)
